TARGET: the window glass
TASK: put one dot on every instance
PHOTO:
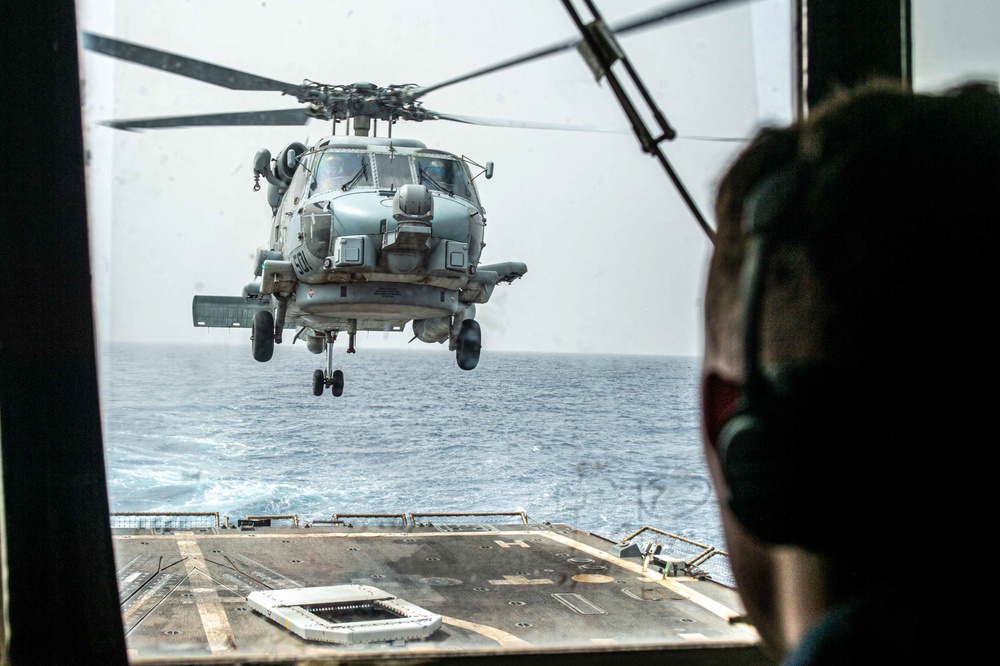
(337, 169)
(954, 42)
(585, 416)
(393, 171)
(444, 174)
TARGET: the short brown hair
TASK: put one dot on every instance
(898, 206)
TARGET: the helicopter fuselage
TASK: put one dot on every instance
(346, 255)
(366, 234)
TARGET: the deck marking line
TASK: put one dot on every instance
(500, 636)
(130, 563)
(213, 615)
(244, 560)
(705, 602)
(508, 544)
(521, 580)
(146, 596)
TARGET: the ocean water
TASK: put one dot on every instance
(607, 443)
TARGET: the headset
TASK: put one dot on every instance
(781, 455)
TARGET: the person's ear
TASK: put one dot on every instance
(718, 400)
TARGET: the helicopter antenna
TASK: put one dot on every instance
(601, 50)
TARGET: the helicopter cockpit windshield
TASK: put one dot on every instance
(446, 175)
(336, 169)
(393, 171)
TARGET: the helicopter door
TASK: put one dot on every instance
(288, 203)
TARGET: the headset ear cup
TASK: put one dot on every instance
(767, 485)
(782, 456)
(759, 475)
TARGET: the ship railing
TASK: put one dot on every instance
(165, 519)
(406, 519)
(286, 516)
(469, 514)
(378, 518)
(699, 559)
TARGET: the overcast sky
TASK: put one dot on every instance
(615, 260)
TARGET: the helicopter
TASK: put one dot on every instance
(366, 233)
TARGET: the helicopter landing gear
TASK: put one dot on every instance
(262, 336)
(332, 378)
(279, 323)
(470, 342)
(337, 383)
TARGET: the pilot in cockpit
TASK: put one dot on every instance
(435, 170)
(331, 172)
(439, 176)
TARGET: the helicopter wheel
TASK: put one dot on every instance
(470, 342)
(262, 336)
(319, 383)
(337, 383)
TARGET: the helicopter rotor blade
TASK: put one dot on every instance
(644, 20)
(530, 124)
(184, 66)
(523, 124)
(723, 139)
(279, 117)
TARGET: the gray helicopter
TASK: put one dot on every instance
(365, 233)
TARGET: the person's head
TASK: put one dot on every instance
(332, 165)
(436, 170)
(873, 333)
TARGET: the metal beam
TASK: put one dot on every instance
(841, 43)
(62, 606)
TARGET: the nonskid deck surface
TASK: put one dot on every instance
(517, 587)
